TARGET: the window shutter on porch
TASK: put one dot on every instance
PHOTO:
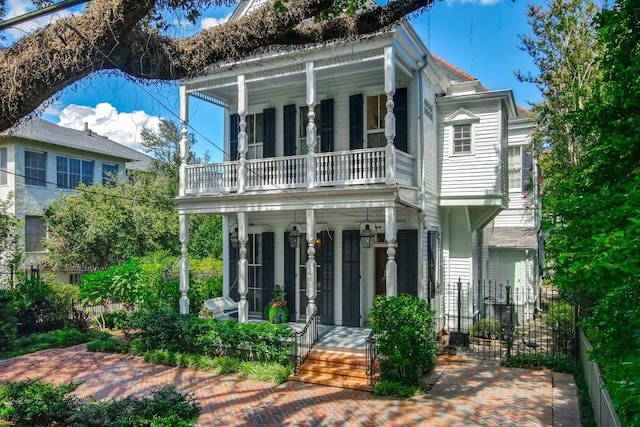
(326, 277)
(268, 265)
(326, 125)
(400, 111)
(234, 126)
(269, 128)
(407, 259)
(356, 122)
(233, 272)
(527, 170)
(289, 125)
(290, 277)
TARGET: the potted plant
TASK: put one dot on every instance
(277, 309)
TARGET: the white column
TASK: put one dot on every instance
(311, 126)
(242, 136)
(184, 146)
(243, 238)
(391, 268)
(311, 262)
(184, 264)
(390, 118)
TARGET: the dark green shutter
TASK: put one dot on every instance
(407, 260)
(351, 278)
(289, 130)
(326, 125)
(234, 128)
(290, 277)
(356, 122)
(527, 171)
(269, 128)
(268, 265)
(326, 277)
(400, 111)
(232, 269)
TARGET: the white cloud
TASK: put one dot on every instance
(213, 22)
(20, 7)
(105, 120)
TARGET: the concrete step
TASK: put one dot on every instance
(332, 368)
(332, 380)
(337, 358)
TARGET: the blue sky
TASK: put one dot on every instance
(477, 36)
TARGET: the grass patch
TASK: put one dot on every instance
(59, 338)
(266, 371)
(393, 388)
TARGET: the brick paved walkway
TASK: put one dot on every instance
(465, 394)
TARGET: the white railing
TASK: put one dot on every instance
(343, 168)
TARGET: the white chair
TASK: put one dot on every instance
(222, 307)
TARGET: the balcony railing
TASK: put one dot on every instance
(342, 168)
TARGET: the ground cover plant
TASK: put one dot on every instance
(38, 403)
(58, 338)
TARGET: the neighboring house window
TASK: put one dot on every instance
(72, 172)
(376, 111)
(3, 166)
(34, 232)
(35, 168)
(109, 174)
(515, 167)
(462, 139)
(255, 135)
(254, 261)
(303, 148)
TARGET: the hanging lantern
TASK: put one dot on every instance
(367, 233)
(294, 231)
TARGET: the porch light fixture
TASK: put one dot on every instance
(294, 232)
(367, 232)
(233, 234)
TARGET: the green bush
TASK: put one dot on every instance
(393, 388)
(107, 345)
(405, 337)
(59, 338)
(112, 320)
(8, 321)
(558, 362)
(37, 306)
(35, 402)
(486, 328)
(561, 319)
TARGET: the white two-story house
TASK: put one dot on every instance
(39, 159)
(352, 169)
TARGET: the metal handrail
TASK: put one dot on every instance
(372, 356)
(304, 340)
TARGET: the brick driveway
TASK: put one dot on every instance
(465, 394)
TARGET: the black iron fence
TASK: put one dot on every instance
(304, 340)
(494, 320)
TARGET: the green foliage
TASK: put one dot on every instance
(8, 320)
(9, 234)
(205, 236)
(387, 387)
(405, 339)
(561, 320)
(277, 310)
(43, 340)
(557, 362)
(114, 320)
(35, 402)
(486, 328)
(107, 345)
(37, 305)
(265, 371)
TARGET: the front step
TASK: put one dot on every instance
(336, 369)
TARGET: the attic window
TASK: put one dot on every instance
(462, 139)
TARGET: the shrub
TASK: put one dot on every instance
(386, 387)
(37, 306)
(561, 319)
(35, 402)
(107, 345)
(8, 321)
(114, 320)
(558, 362)
(486, 328)
(405, 338)
(53, 339)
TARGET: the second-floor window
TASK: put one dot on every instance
(109, 174)
(515, 167)
(376, 111)
(462, 139)
(72, 172)
(35, 168)
(255, 135)
(3, 166)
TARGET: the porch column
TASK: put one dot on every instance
(391, 268)
(184, 219)
(243, 304)
(390, 118)
(311, 262)
(242, 136)
(184, 264)
(311, 126)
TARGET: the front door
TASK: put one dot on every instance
(351, 278)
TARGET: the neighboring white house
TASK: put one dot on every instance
(39, 159)
(389, 162)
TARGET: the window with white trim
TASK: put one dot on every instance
(34, 233)
(255, 135)
(35, 168)
(303, 148)
(3, 166)
(376, 112)
(71, 172)
(109, 174)
(255, 272)
(462, 138)
(515, 167)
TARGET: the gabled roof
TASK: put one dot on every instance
(37, 129)
(452, 72)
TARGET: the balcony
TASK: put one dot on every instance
(334, 169)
